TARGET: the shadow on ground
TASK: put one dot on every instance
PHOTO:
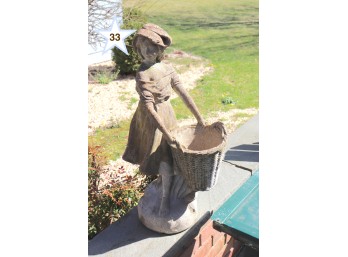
(117, 234)
(120, 234)
(243, 153)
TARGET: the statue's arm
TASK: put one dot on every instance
(142, 84)
(180, 90)
(160, 125)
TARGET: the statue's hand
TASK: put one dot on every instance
(202, 123)
(220, 126)
(175, 142)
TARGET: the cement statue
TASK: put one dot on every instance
(168, 205)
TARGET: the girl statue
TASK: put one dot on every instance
(168, 204)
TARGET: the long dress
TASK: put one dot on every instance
(146, 144)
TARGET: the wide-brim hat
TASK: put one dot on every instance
(155, 33)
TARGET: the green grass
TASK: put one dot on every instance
(113, 140)
(183, 64)
(223, 32)
(105, 77)
(123, 97)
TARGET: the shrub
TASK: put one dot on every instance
(129, 64)
(146, 180)
(112, 200)
(108, 203)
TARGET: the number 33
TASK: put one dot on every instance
(115, 37)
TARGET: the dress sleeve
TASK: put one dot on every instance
(175, 81)
(143, 87)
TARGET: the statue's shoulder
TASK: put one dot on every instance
(168, 67)
(143, 75)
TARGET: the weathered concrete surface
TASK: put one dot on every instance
(128, 237)
(243, 150)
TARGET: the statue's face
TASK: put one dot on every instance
(149, 50)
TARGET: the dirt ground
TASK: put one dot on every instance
(116, 101)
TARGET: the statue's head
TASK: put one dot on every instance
(150, 41)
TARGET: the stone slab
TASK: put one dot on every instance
(243, 146)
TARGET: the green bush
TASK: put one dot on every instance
(108, 203)
(133, 18)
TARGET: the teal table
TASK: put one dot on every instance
(239, 215)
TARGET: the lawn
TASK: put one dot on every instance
(226, 33)
(112, 140)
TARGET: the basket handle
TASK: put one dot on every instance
(221, 127)
(177, 144)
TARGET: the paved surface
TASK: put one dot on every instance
(128, 237)
(243, 146)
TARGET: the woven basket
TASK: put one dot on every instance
(199, 156)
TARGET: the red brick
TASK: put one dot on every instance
(202, 251)
(218, 245)
(226, 249)
(235, 246)
(228, 238)
(200, 243)
(230, 253)
(206, 226)
(206, 232)
(220, 242)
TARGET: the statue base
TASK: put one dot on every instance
(181, 215)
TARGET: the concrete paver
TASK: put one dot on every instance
(243, 146)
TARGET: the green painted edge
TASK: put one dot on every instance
(251, 226)
(232, 203)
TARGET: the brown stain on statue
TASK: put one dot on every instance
(154, 120)
(154, 117)
(168, 204)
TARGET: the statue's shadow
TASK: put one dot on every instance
(121, 233)
(243, 153)
(129, 230)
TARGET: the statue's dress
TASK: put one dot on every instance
(146, 144)
(148, 148)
